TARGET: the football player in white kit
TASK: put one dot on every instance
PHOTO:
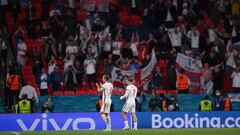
(129, 106)
(106, 89)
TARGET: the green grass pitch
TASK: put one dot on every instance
(233, 131)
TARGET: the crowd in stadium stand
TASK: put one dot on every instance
(49, 52)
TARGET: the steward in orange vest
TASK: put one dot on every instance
(182, 83)
(227, 104)
(13, 82)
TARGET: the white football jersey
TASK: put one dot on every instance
(107, 92)
(131, 91)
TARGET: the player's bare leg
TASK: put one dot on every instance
(108, 121)
(134, 117)
(104, 119)
(124, 115)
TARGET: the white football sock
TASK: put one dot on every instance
(104, 118)
(135, 125)
(109, 121)
(126, 123)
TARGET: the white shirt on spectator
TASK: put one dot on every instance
(169, 17)
(212, 35)
(71, 49)
(90, 66)
(30, 91)
(51, 68)
(67, 63)
(236, 79)
(194, 38)
(22, 48)
(107, 46)
(176, 39)
(133, 46)
(117, 47)
(43, 84)
(3, 46)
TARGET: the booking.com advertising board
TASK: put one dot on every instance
(92, 121)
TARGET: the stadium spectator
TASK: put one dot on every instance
(236, 81)
(193, 36)
(228, 104)
(15, 8)
(31, 93)
(134, 64)
(163, 103)
(48, 106)
(44, 82)
(134, 44)
(219, 103)
(173, 104)
(56, 79)
(24, 105)
(117, 45)
(157, 79)
(13, 86)
(154, 104)
(171, 76)
(182, 83)
(206, 104)
(176, 38)
(51, 65)
(68, 61)
(140, 99)
(37, 64)
(49, 48)
(70, 78)
(71, 48)
(108, 66)
(3, 52)
(79, 72)
(90, 68)
(21, 54)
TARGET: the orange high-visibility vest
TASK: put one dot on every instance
(182, 81)
(100, 103)
(227, 104)
(13, 82)
(164, 105)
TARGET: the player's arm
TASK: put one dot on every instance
(99, 87)
(125, 95)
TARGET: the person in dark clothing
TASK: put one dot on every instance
(219, 103)
(48, 106)
(79, 72)
(218, 83)
(140, 99)
(15, 9)
(70, 78)
(171, 76)
(172, 104)
(154, 104)
(56, 79)
(97, 26)
(127, 52)
(31, 25)
(157, 79)
(36, 65)
(146, 60)
(45, 9)
(169, 14)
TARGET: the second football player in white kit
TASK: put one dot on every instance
(129, 106)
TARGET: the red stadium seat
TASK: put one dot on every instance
(69, 93)
(57, 93)
(160, 92)
(172, 91)
(81, 92)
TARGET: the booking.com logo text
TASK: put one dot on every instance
(194, 122)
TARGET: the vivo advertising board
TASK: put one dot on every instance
(92, 121)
